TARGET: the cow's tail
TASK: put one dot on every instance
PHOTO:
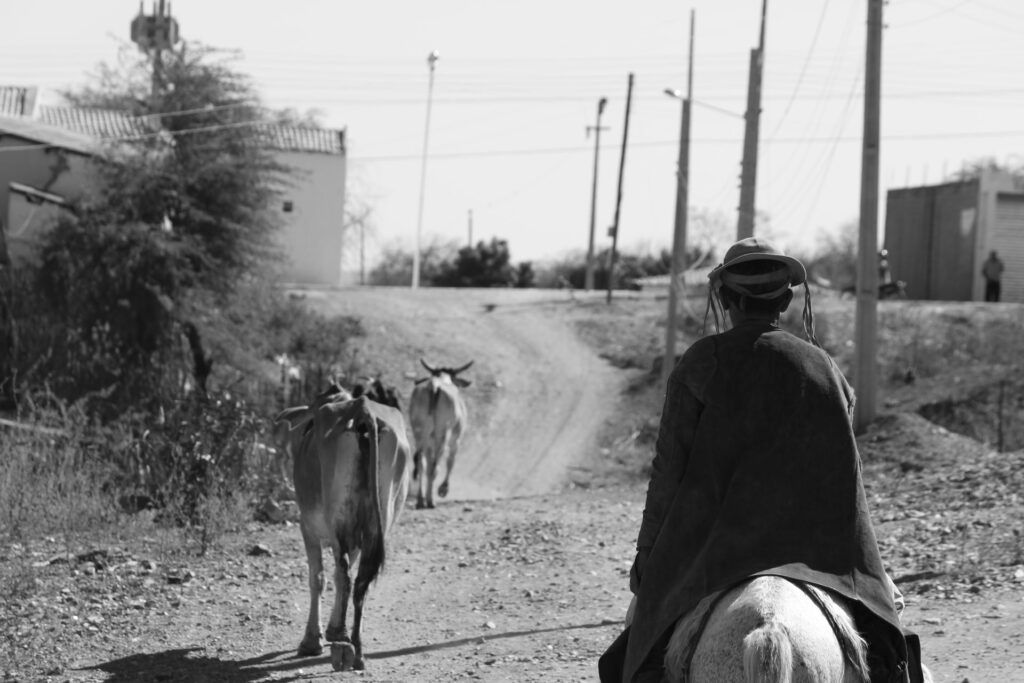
(376, 550)
(435, 394)
(768, 655)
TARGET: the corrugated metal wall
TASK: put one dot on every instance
(930, 233)
(907, 236)
(955, 226)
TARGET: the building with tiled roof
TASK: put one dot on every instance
(99, 123)
(45, 151)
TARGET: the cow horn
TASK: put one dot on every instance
(429, 369)
(462, 369)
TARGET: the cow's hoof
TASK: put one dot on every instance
(343, 657)
(310, 648)
(442, 490)
(420, 505)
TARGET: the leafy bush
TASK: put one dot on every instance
(485, 265)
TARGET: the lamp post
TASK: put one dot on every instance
(682, 202)
(431, 61)
(588, 283)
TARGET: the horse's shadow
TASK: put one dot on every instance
(187, 664)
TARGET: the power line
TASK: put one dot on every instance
(803, 69)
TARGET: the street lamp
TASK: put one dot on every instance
(431, 60)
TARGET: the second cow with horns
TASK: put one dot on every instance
(437, 413)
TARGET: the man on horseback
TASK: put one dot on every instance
(756, 472)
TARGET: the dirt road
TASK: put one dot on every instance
(539, 394)
(519, 579)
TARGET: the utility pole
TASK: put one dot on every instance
(470, 242)
(866, 321)
(748, 169)
(431, 61)
(362, 252)
(679, 234)
(588, 283)
(618, 196)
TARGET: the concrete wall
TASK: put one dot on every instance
(313, 230)
(312, 234)
(1002, 211)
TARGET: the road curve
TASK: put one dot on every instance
(539, 394)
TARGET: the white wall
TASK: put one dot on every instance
(313, 230)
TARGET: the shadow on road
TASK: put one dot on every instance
(479, 639)
(185, 664)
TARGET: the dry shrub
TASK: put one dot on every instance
(51, 480)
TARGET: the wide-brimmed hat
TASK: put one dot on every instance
(758, 249)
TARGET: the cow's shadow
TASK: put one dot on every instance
(185, 664)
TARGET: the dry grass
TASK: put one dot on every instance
(928, 352)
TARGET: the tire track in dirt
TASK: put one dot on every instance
(539, 394)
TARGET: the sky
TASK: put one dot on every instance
(516, 87)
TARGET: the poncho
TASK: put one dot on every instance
(756, 470)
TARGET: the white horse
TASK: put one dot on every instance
(767, 630)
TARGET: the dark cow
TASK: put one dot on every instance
(438, 417)
(351, 471)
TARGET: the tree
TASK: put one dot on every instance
(488, 264)
(395, 266)
(834, 261)
(183, 219)
(972, 170)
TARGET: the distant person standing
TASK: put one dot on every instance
(992, 270)
(884, 273)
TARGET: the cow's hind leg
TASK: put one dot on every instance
(369, 566)
(310, 645)
(452, 447)
(336, 631)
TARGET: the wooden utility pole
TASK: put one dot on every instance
(588, 281)
(470, 242)
(748, 169)
(362, 252)
(866, 324)
(618, 195)
(431, 62)
(679, 234)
